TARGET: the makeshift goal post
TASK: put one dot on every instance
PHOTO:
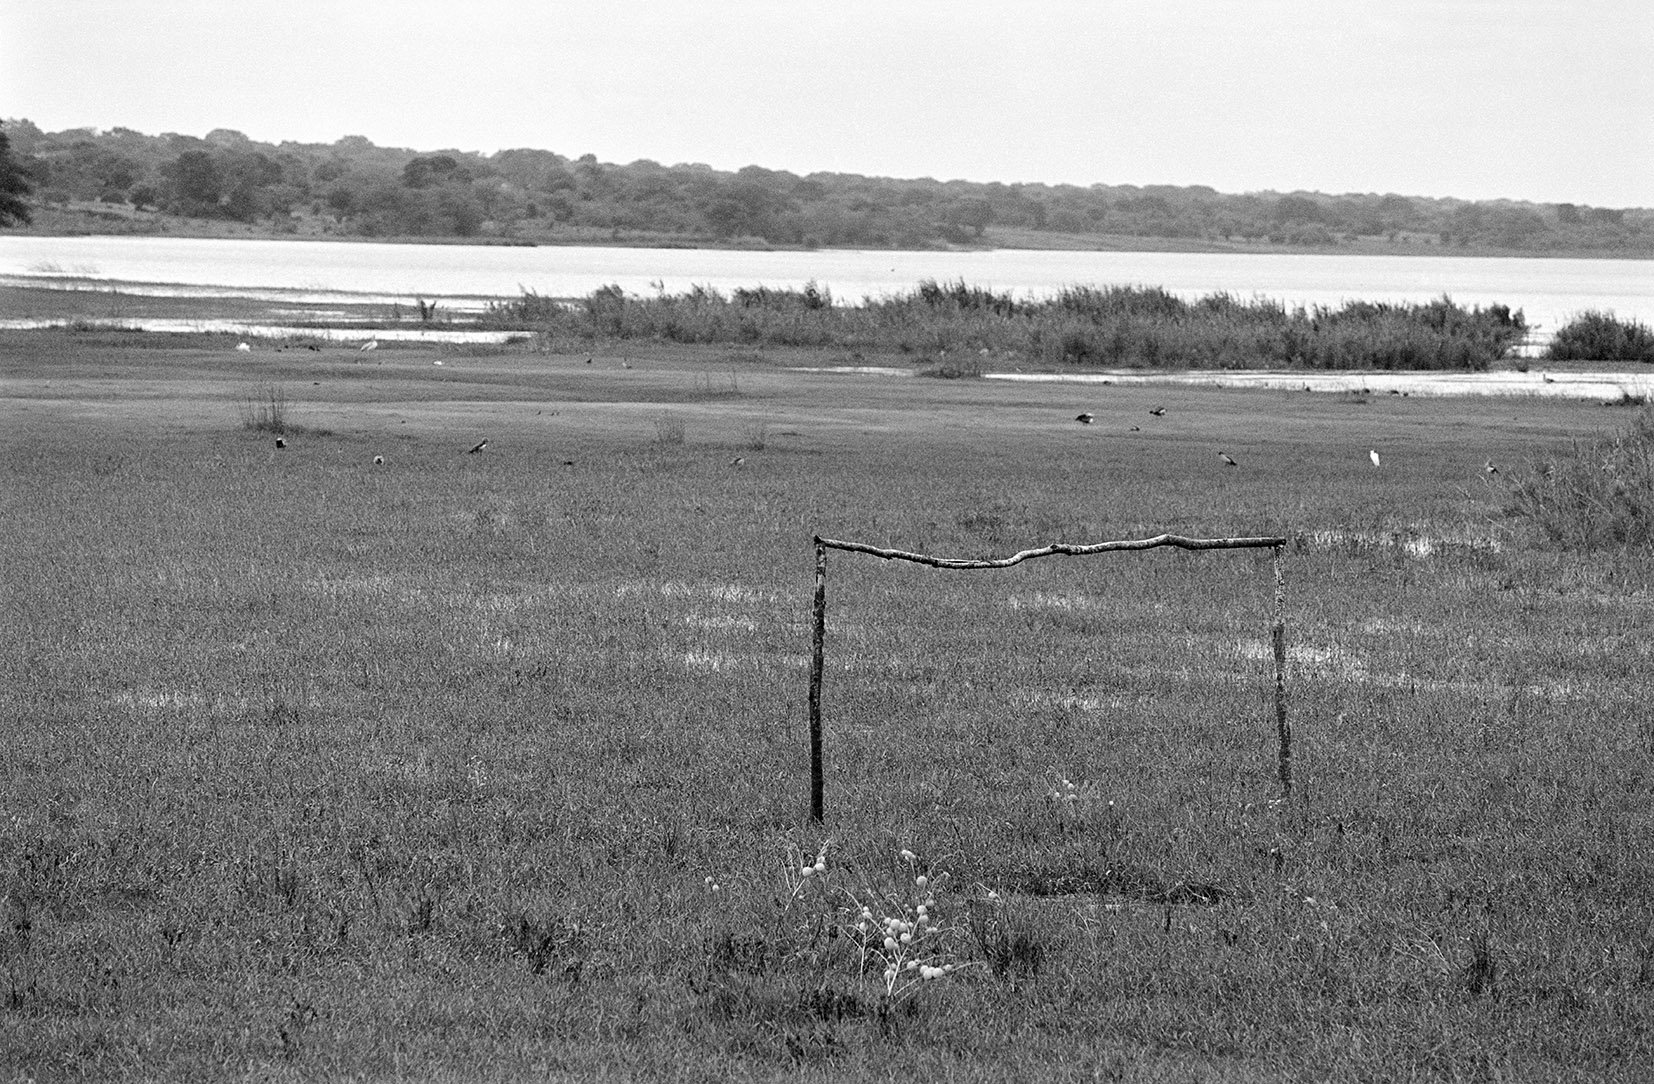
(818, 645)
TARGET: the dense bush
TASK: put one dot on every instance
(1112, 327)
(1598, 495)
(1599, 336)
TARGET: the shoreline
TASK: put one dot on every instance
(1000, 240)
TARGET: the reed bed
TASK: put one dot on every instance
(1081, 327)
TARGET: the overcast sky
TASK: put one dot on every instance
(1546, 100)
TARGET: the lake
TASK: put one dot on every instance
(1548, 291)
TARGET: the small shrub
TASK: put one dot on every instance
(1600, 336)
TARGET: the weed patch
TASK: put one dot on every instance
(1596, 495)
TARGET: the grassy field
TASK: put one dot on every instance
(493, 766)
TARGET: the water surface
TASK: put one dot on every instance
(461, 277)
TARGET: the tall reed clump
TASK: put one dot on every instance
(1598, 495)
(1085, 326)
(1600, 336)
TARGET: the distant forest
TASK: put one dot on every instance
(86, 180)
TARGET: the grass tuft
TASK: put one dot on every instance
(266, 409)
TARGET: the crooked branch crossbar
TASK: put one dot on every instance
(1056, 548)
(819, 616)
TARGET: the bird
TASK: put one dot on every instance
(371, 344)
(1158, 411)
(1547, 378)
(588, 361)
(737, 461)
(1490, 468)
(438, 361)
(1136, 429)
(479, 446)
(243, 347)
(1083, 419)
(378, 460)
(1373, 455)
(1226, 460)
(281, 442)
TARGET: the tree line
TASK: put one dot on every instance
(354, 188)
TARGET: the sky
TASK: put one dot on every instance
(1541, 100)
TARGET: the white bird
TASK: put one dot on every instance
(243, 347)
(371, 344)
(1373, 455)
(1226, 460)
(1490, 468)
(378, 460)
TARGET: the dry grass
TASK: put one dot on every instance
(319, 769)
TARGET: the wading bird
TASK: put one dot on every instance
(1226, 460)
(737, 461)
(371, 344)
(1083, 419)
(479, 446)
(1490, 468)
(1158, 411)
(1373, 455)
